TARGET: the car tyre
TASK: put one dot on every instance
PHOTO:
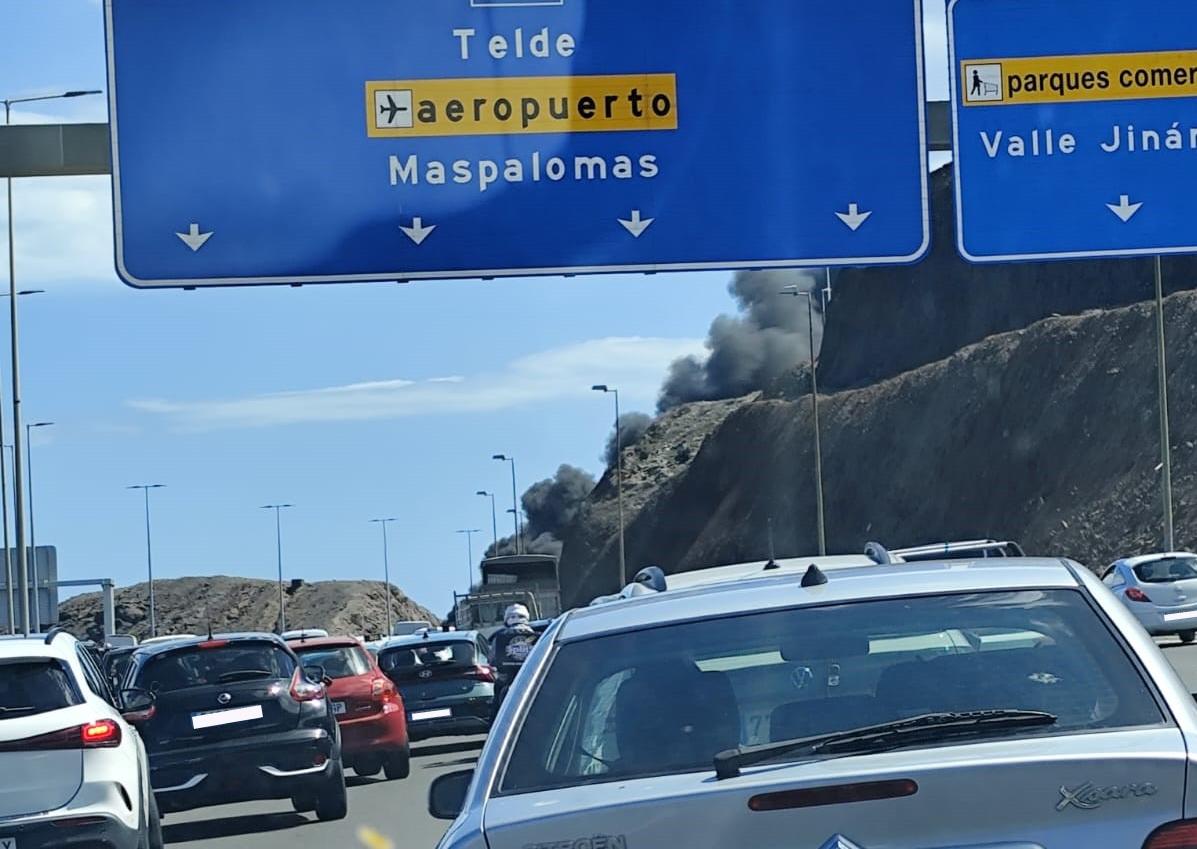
(398, 764)
(1187, 637)
(332, 802)
(368, 767)
(154, 829)
(304, 803)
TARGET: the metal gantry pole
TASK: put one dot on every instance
(1165, 429)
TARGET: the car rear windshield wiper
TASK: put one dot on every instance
(16, 711)
(879, 738)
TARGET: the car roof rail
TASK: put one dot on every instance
(955, 549)
(877, 552)
(53, 633)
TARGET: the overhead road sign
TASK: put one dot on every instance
(1074, 132)
(269, 141)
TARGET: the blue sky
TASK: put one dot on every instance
(349, 401)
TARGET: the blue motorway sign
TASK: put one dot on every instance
(1075, 134)
(275, 141)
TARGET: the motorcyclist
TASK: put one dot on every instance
(511, 646)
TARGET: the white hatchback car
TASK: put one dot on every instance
(79, 770)
(1005, 703)
(1160, 590)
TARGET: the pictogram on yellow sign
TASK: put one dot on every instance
(1072, 79)
(510, 105)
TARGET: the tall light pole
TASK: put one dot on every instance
(469, 535)
(1165, 429)
(278, 534)
(149, 551)
(814, 395)
(515, 501)
(18, 478)
(9, 570)
(386, 568)
(37, 580)
(494, 519)
(602, 387)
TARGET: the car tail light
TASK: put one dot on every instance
(95, 735)
(78, 822)
(1136, 594)
(213, 644)
(485, 674)
(303, 690)
(381, 689)
(100, 735)
(1174, 835)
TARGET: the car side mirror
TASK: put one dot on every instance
(447, 796)
(138, 705)
(315, 673)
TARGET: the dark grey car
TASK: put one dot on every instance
(446, 679)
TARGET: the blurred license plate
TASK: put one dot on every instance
(214, 718)
(1172, 617)
(443, 713)
(8, 843)
(338, 708)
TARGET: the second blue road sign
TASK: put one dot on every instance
(1075, 128)
(273, 141)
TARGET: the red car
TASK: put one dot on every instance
(368, 708)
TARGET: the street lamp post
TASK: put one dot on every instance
(386, 569)
(515, 501)
(469, 535)
(18, 480)
(278, 534)
(149, 551)
(494, 519)
(623, 570)
(814, 395)
(37, 608)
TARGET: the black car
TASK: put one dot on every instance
(236, 718)
(446, 680)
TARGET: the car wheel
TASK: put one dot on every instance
(155, 840)
(332, 802)
(304, 803)
(398, 764)
(1187, 637)
(367, 767)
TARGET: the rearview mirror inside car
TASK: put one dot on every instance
(137, 705)
(447, 796)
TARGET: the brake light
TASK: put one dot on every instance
(486, 674)
(213, 644)
(1136, 594)
(1174, 835)
(381, 688)
(100, 735)
(303, 690)
(841, 794)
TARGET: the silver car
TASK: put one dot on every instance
(1010, 703)
(1160, 590)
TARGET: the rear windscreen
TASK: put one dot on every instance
(410, 659)
(29, 687)
(338, 661)
(1167, 571)
(200, 667)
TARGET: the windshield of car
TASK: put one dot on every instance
(667, 699)
(29, 687)
(441, 655)
(1168, 570)
(203, 667)
(338, 661)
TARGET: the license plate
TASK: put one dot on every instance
(8, 843)
(215, 718)
(419, 715)
(1173, 617)
(338, 708)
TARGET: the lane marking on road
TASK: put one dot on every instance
(373, 839)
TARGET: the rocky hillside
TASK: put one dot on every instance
(884, 321)
(1047, 435)
(187, 605)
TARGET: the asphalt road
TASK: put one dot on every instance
(394, 809)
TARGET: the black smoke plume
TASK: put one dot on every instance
(549, 505)
(631, 428)
(748, 351)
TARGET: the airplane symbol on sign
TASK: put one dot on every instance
(391, 109)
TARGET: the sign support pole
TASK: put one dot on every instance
(1165, 439)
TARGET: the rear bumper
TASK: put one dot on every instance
(42, 833)
(1156, 621)
(471, 716)
(271, 766)
(383, 732)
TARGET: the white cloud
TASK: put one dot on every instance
(636, 365)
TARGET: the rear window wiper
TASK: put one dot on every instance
(17, 711)
(879, 738)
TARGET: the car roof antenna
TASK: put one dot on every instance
(772, 564)
(814, 577)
